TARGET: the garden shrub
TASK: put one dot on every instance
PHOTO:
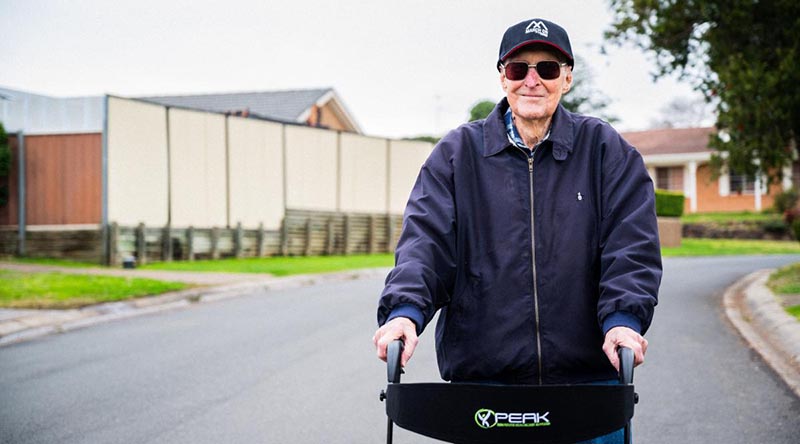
(786, 200)
(796, 228)
(669, 203)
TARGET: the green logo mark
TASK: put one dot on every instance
(487, 419)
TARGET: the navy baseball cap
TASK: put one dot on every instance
(532, 32)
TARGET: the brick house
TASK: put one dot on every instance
(678, 160)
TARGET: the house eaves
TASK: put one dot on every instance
(671, 141)
(292, 106)
(676, 158)
(338, 108)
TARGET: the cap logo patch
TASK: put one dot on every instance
(537, 27)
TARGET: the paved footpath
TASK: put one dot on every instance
(749, 305)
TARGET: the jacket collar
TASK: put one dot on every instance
(495, 138)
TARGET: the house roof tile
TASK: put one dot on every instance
(670, 141)
(287, 106)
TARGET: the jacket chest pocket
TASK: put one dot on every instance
(573, 205)
(573, 222)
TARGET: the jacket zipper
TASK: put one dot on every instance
(533, 263)
(529, 155)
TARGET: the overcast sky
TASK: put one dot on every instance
(402, 67)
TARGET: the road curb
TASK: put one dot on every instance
(47, 322)
(765, 325)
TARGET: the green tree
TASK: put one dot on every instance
(5, 166)
(481, 110)
(743, 56)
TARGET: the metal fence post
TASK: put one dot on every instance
(190, 243)
(21, 193)
(307, 249)
(113, 249)
(141, 244)
(215, 243)
(260, 241)
(166, 244)
(238, 241)
(347, 234)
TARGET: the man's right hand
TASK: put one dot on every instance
(397, 328)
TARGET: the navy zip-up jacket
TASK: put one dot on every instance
(531, 259)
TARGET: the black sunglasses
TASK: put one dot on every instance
(547, 70)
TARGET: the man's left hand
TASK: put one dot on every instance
(624, 337)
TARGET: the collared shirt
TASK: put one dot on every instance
(513, 133)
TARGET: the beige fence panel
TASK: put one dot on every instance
(197, 163)
(405, 160)
(137, 163)
(363, 174)
(311, 168)
(256, 172)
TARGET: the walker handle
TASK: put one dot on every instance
(393, 354)
(625, 365)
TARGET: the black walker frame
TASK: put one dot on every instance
(468, 413)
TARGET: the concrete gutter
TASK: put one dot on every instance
(768, 328)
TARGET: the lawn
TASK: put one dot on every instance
(280, 266)
(58, 290)
(744, 216)
(786, 281)
(729, 247)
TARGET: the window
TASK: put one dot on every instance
(669, 178)
(742, 184)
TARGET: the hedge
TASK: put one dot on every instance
(669, 203)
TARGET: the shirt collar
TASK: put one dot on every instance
(495, 136)
(513, 133)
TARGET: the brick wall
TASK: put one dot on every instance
(708, 198)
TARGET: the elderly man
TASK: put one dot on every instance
(534, 231)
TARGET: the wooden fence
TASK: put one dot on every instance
(82, 243)
(302, 233)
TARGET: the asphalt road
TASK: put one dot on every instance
(297, 366)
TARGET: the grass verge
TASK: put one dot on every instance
(280, 266)
(730, 247)
(744, 216)
(56, 290)
(60, 291)
(794, 311)
(786, 282)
